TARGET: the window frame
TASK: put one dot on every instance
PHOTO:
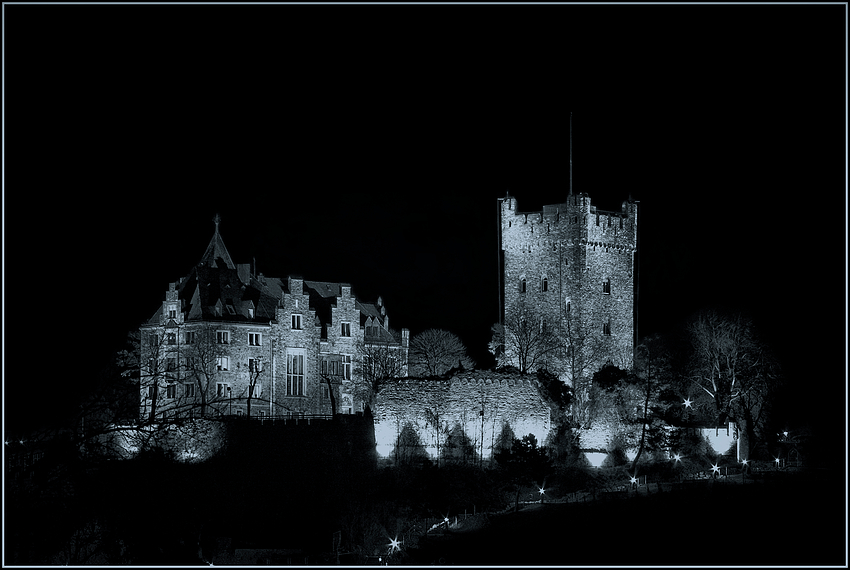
(255, 339)
(345, 329)
(295, 373)
(296, 321)
(222, 334)
(222, 363)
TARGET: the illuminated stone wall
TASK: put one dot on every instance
(587, 259)
(456, 406)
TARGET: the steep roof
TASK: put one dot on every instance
(216, 253)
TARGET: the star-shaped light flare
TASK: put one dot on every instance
(687, 403)
(633, 480)
(745, 461)
(542, 491)
(715, 468)
(776, 460)
(677, 457)
(394, 545)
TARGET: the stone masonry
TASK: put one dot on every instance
(573, 266)
(456, 404)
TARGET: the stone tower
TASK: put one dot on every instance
(568, 286)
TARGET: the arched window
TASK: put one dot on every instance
(545, 285)
(522, 285)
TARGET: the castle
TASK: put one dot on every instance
(227, 342)
(568, 277)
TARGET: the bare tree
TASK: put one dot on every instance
(378, 363)
(584, 353)
(204, 358)
(731, 369)
(526, 340)
(434, 352)
(253, 390)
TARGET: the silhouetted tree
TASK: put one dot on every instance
(434, 352)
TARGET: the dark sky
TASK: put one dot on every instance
(369, 144)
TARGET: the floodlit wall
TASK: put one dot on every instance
(471, 406)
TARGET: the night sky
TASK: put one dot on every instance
(369, 145)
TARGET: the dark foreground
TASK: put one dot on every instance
(799, 519)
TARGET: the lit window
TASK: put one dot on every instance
(294, 374)
(346, 329)
(171, 338)
(223, 363)
(222, 337)
(255, 339)
(296, 322)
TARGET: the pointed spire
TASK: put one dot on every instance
(216, 250)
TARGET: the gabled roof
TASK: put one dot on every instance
(216, 253)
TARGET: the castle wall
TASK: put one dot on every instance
(457, 404)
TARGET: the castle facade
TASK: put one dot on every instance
(227, 342)
(568, 276)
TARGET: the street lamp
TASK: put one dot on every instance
(230, 400)
(542, 492)
(715, 469)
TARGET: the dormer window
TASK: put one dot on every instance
(231, 310)
(250, 312)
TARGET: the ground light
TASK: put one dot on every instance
(394, 545)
